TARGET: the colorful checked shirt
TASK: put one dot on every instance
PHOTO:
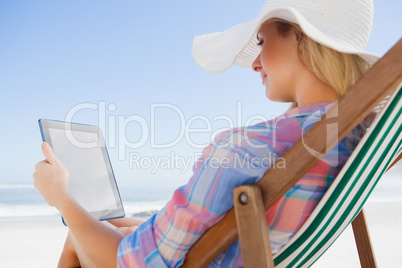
(237, 156)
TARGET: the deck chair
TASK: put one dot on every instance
(379, 91)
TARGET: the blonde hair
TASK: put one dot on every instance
(336, 69)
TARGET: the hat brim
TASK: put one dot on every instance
(216, 52)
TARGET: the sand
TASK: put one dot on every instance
(39, 243)
(31, 244)
(384, 223)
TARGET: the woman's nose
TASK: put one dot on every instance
(257, 64)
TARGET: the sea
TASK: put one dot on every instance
(22, 202)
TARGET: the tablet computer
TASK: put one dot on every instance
(82, 151)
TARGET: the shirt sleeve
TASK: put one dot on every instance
(238, 156)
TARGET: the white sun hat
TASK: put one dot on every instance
(343, 25)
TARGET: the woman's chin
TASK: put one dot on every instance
(274, 98)
(277, 97)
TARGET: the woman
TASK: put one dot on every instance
(308, 53)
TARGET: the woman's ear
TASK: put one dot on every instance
(297, 34)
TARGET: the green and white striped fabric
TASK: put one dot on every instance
(344, 199)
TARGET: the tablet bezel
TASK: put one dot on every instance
(108, 214)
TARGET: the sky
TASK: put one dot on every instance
(116, 63)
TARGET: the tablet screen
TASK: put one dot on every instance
(82, 151)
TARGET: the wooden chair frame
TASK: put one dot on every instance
(250, 202)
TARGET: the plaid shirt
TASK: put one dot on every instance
(238, 156)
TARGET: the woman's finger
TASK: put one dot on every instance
(40, 164)
(48, 153)
(34, 179)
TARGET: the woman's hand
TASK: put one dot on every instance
(99, 242)
(51, 178)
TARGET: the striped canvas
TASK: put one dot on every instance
(348, 193)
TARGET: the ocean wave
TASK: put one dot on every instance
(134, 209)
(44, 210)
(11, 211)
(16, 186)
(384, 199)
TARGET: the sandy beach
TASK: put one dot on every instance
(39, 243)
(31, 244)
(384, 221)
